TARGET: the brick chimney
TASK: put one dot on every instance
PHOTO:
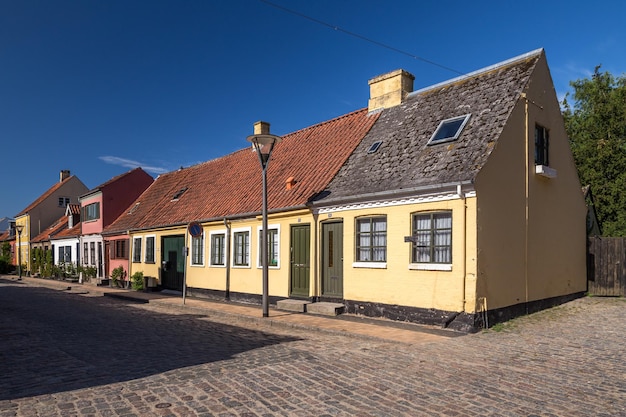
(390, 89)
(65, 174)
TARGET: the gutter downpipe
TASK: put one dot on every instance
(316, 276)
(459, 190)
(227, 260)
(185, 252)
(526, 196)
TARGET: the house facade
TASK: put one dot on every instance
(45, 210)
(100, 207)
(224, 197)
(457, 205)
(469, 211)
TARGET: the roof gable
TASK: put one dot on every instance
(51, 231)
(406, 160)
(231, 185)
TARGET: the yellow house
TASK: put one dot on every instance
(224, 197)
(457, 205)
(461, 207)
(45, 210)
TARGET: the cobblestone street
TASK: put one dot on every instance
(72, 354)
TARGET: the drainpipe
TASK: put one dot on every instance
(526, 196)
(227, 260)
(316, 275)
(459, 191)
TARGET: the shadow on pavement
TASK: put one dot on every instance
(52, 341)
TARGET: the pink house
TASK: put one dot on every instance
(100, 207)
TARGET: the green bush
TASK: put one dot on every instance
(117, 275)
(137, 279)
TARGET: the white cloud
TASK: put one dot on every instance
(129, 163)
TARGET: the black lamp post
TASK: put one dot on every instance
(19, 229)
(264, 143)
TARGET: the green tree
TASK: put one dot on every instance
(596, 126)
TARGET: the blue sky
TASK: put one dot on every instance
(102, 86)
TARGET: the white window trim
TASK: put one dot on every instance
(226, 238)
(132, 256)
(190, 245)
(431, 267)
(371, 265)
(258, 257)
(145, 247)
(232, 247)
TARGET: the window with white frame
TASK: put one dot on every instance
(65, 254)
(449, 130)
(197, 250)
(432, 237)
(85, 253)
(272, 246)
(241, 248)
(137, 249)
(218, 249)
(92, 252)
(149, 257)
(371, 239)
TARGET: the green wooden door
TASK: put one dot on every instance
(300, 260)
(332, 260)
(173, 262)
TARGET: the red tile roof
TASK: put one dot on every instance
(74, 208)
(68, 233)
(231, 185)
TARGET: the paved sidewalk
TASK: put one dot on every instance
(347, 325)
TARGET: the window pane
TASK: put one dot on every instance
(371, 239)
(432, 233)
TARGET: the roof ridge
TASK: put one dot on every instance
(478, 72)
(334, 119)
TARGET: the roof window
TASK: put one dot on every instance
(374, 146)
(449, 130)
(179, 193)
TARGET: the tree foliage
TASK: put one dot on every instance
(596, 125)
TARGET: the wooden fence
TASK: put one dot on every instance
(606, 266)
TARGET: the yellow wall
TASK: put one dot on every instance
(24, 240)
(531, 229)
(246, 280)
(397, 284)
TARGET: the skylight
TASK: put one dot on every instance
(179, 193)
(449, 130)
(375, 146)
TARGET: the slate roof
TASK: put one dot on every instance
(405, 162)
(231, 185)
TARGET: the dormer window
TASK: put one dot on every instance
(179, 193)
(449, 129)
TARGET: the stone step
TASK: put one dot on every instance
(325, 308)
(298, 306)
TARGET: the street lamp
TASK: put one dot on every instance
(19, 229)
(263, 142)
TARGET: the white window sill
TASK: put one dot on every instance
(241, 267)
(370, 265)
(545, 171)
(431, 267)
(197, 265)
(217, 266)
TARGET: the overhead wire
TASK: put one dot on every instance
(358, 36)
